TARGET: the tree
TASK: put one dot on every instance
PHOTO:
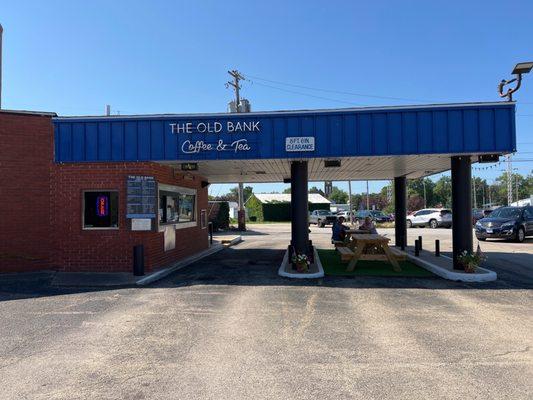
(314, 189)
(499, 188)
(287, 190)
(415, 202)
(233, 194)
(416, 186)
(337, 195)
(443, 191)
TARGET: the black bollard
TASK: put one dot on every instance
(417, 248)
(210, 231)
(437, 248)
(420, 243)
(138, 260)
(402, 246)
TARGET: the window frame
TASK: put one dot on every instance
(179, 190)
(99, 228)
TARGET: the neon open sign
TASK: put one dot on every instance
(102, 206)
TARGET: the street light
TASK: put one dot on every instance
(519, 69)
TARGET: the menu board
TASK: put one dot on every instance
(141, 197)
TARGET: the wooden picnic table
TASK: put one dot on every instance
(360, 242)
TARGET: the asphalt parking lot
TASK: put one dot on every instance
(229, 327)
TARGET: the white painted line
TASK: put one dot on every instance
(300, 275)
(179, 265)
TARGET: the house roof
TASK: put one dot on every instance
(286, 198)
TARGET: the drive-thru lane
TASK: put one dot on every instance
(229, 327)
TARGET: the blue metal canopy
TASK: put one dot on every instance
(419, 138)
(472, 128)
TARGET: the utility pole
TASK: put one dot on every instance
(516, 187)
(350, 201)
(236, 87)
(424, 185)
(474, 191)
(509, 180)
(367, 197)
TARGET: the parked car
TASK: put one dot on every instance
(375, 215)
(432, 217)
(513, 223)
(345, 214)
(478, 214)
(380, 216)
(322, 218)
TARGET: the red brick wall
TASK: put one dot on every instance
(26, 152)
(76, 249)
(41, 207)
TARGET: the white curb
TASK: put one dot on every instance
(486, 275)
(300, 275)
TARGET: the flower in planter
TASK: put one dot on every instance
(302, 262)
(470, 261)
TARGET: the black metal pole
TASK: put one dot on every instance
(417, 248)
(420, 242)
(437, 248)
(299, 207)
(210, 230)
(400, 211)
(138, 260)
(461, 207)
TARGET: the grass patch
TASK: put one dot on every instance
(331, 262)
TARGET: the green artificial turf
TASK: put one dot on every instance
(331, 262)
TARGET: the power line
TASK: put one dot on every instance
(306, 94)
(337, 91)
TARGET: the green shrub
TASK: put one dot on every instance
(221, 221)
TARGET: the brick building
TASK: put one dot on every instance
(48, 221)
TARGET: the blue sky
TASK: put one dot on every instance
(172, 56)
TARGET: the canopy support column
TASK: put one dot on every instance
(299, 207)
(400, 211)
(241, 213)
(461, 207)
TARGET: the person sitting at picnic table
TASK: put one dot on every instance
(339, 230)
(368, 225)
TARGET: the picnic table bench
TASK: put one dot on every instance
(359, 243)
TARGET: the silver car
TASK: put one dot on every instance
(432, 217)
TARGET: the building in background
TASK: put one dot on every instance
(277, 206)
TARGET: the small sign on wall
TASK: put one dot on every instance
(141, 224)
(303, 143)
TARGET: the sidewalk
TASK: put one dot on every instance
(125, 279)
(56, 279)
